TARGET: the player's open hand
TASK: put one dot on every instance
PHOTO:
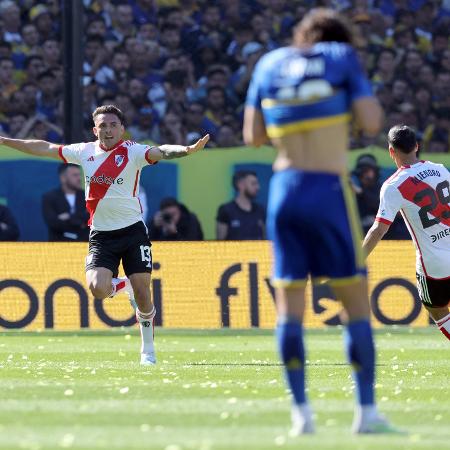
(199, 145)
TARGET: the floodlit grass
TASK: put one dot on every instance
(210, 390)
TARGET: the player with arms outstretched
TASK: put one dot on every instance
(420, 190)
(112, 169)
(302, 97)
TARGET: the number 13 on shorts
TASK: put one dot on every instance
(146, 255)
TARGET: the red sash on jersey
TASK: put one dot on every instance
(111, 168)
(409, 188)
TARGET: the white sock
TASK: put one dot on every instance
(120, 285)
(146, 326)
(304, 410)
(365, 413)
(444, 325)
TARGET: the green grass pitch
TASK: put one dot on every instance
(211, 390)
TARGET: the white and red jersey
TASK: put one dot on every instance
(421, 193)
(111, 181)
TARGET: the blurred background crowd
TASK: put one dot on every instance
(181, 68)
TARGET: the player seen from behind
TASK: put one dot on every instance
(420, 190)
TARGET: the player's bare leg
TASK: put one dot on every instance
(290, 308)
(145, 314)
(99, 281)
(102, 284)
(361, 354)
(442, 318)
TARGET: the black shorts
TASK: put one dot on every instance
(130, 244)
(433, 293)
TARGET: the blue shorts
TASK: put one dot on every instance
(314, 225)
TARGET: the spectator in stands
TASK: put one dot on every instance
(172, 129)
(367, 185)
(405, 46)
(9, 231)
(216, 107)
(10, 19)
(385, 67)
(51, 52)
(439, 133)
(34, 65)
(227, 137)
(42, 18)
(49, 96)
(7, 84)
(146, 128)
(64, 208)
(174, 222)
(242, 218)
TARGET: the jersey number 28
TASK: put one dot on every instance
(439, 196)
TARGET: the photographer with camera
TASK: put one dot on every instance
(367, 185)
(174, 222)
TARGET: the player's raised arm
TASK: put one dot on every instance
(167, 151)
(32, 147)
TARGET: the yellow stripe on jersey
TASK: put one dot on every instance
(273, 102)
(355, 225)
(276, 131)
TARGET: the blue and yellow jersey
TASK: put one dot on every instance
(301, 90)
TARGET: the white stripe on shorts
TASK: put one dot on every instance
(423, 289)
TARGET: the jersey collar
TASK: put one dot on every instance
(411, 165)
(112, 148)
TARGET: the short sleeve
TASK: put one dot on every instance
(390, 204)
(71, 153)
(222, 215)
(358, 83)
(254, 89)
(141, 156)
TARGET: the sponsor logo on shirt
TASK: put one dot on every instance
(440, 235)
(103, 179)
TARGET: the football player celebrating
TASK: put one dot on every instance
(112, 169)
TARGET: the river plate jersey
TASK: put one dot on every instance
(421, 193)
(111, 181)
(300, 90)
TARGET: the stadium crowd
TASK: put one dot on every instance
(181, 68)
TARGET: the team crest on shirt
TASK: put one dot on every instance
(119, 160)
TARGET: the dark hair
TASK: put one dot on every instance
(402, 138)
(109, 109)
(167, 202)
(95, 38)
(62, 168)
(240, 175)
(45, 74)
(323, 25)
(30, 59)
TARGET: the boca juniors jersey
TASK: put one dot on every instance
(421, 192)
(298, 90)
(111, 181)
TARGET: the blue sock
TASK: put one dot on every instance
(292, 352)
(361, 354)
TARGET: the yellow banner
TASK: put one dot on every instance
(195, 285)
